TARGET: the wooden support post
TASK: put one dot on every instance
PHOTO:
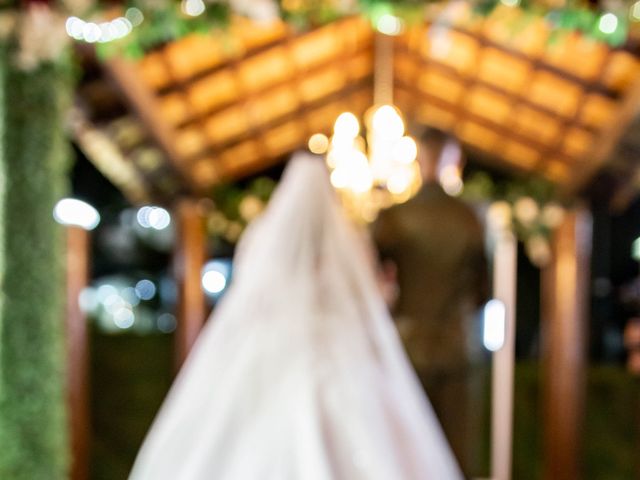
(78, 252)
(189, 260)
(565, 291)
(505, 265)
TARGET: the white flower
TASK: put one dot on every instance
(552, 215)
(250, 207)
(217, 223)
(234, 230)
(42, 36)
(526, 210)
(499, 215)
(538, 250)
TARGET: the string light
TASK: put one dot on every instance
(385, 162)
(193, 8)
(91, 32)
(634, 11)
(318, 143)
(608, 23)
(70, 211)
(390, 25)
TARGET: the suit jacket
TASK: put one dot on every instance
(437, 244)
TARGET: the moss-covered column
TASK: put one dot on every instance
(33, 165)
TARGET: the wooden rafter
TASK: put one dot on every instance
(608, 139)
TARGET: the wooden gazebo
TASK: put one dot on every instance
(212, 108)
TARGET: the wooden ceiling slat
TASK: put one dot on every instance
(301, 110)
(145, 105)
(319, 69)
(539, 64)
(577, 144)
(503, 131)
(241, 109)
(522, 97)
(608, 139)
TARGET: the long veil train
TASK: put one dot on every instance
(300, 374)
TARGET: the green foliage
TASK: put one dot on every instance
(33, 160)
(164, 21)
(570, 16)
(611, 428)
(236, 206)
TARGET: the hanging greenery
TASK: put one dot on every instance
(529, 208)
(33, 161)
(141, 25)
(236, 206)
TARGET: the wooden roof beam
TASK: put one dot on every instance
(609, 137)
(145, 105)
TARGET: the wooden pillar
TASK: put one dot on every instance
(78, 264)
(565, 291)
(504, 289)
(189, 259)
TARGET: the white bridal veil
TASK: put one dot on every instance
(299, 374)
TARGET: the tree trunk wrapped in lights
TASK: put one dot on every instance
(33, 163)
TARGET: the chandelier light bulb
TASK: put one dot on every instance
(346, 126)
(318, 143)
(387, 123)
(339, 178)
(399, 181)
(405, 150)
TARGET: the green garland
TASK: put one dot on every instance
(34, 157)
(527, 207)
(164, 20)
(236, 206)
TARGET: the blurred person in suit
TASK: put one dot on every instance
(432, 247)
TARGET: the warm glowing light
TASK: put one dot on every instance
(387, 123)
(193, 8)
(608, 23)
(399, 181)
(450, 180)
(552, 215)
(511, 3)
(405, 150)
(377, 172)
(347, 126)
(494, 328)
(339, 178)
(104, 32)
(389, 24)
(318, 143)
(499, 215)
(526, 210)
(70, 211)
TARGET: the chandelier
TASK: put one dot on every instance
(373, 165)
